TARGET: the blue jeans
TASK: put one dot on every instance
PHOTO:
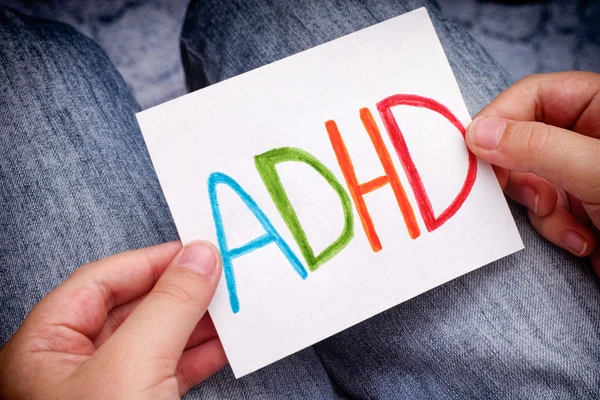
(77, 184)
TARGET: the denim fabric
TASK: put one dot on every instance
(526, 326)
(76, 184)
(75, 177)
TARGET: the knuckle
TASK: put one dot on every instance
(113, 321)
(538, 138)
(102, 287)
(175, 291)
(534, 139)
(530, 79)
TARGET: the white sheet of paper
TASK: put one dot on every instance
(286, 104)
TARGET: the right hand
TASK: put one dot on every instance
(542, 135)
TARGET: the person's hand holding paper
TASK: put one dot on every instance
(543, 134)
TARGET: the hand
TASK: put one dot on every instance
(542, 135)
(133, 325)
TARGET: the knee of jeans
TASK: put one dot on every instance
(38, 54)
(201, 57)
(233, 37)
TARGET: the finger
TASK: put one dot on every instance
(564, 158)
(535, 193)
(595, 256)
(563, 229)
(568, 100)
(199, 363)
(595, 261)
(115, 318)
(589, 121)
(162, 323)
(578, 210)
(204, 330)
(501, 175)
(593, 211)
(83, 301)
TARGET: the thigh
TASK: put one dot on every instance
(77, 184)
(220, 40)
(525, 326)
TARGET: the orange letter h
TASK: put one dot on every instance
(359, 190)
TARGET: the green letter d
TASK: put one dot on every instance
(265, 164)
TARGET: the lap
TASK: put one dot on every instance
(525, 326)
(77, 184)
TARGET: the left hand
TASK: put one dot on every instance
(133, 325)
(542, 136)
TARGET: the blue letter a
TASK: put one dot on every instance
(229, 254)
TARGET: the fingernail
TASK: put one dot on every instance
(486, 132)
(575, 241)
(199, 256)
(529, 198)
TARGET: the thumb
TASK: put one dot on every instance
(565, 158)
(162, 323)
